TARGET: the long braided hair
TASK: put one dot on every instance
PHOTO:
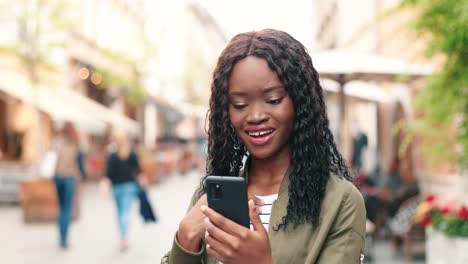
(314, 152)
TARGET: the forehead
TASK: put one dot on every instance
(252, 73)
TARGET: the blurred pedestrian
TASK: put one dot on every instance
(68, 172)
(267, 108)
(123, 171)
(360, 142)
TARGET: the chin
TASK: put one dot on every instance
(268, 152)
(261, 154)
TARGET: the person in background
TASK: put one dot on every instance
(123, 171)
(267, 108)
(400, 186)
(360, 142)
(68, 174)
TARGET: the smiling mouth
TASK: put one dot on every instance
(260, 133)
(261, 138)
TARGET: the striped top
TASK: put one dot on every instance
(266, 209)
(266, 212)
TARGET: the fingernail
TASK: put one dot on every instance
(259, 209)
(203, 208)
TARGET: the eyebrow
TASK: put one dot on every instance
(265, 90)
(270, 89)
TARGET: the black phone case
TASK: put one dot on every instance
(233, 203)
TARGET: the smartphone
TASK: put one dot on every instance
(227, 195)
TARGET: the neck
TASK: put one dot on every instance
(266, 175)
(123, 151)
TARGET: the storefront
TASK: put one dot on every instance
(29, 116)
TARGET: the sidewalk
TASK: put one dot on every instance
(94, 237)
(384, 254)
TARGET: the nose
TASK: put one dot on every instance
(257, 114)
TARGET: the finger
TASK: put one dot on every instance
(222, 222)
(218, 233)
(203, 200)
(213, 252)
(255, 217)
(257, 200)
(221, 249)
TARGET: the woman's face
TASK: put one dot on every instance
(260, 109)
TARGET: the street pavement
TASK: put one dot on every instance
(94, 236)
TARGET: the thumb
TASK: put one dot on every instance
(255, 217)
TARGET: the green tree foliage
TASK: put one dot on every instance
(41, 27)
(445, 99)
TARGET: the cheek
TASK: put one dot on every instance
(235, 119)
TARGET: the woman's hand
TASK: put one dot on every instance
(142, 182)
(230, 242)
(192, 230)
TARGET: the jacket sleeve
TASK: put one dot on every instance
(345, 242)
(178, 254)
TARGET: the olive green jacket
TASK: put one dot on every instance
(339, 238)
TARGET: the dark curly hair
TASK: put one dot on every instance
(314, 152)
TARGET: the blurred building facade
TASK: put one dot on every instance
(98, 74)
(376, 102)
(379, 104)
(189, 42)
(105, 53)
(63, 61)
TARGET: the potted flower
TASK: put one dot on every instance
(446, 225)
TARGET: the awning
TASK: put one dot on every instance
(66, 105)
(357, 89)
(364, 66)
(182, 110)
(174, 115)
(61, 109)
(96, 111)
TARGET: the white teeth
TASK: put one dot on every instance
(261, 133)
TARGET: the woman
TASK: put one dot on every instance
(122, 169)
(267, 104)
(67, 177)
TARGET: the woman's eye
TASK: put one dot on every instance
(239, 106)
(275, 101)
